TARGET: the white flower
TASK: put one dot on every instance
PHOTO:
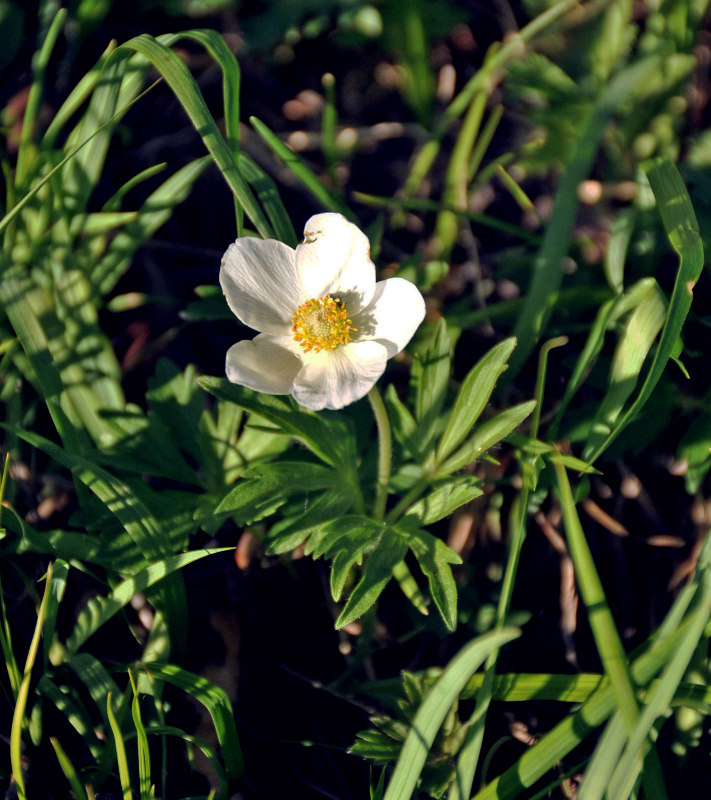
(326, 328)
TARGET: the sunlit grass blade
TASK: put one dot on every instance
(169, 730)
(576, 726)
(75, 712)
(69, 770)
(218, 706)
(60, 571)
(310, 181)
(683, 231)
(178, 77)
(268, 194)
(637, 80)
(99, 684)
(607, 640)
(455, 190)
(120, 501)
(34, 98)
(121, 758)
(216, 46)
(18, 715)
(600, 704)
(99, 610)
(659, 699)
(636, 341)
(144, 755)
(495, 62)
(434, 709)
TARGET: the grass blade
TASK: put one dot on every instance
(326, 198)
(683, 231)
(178, 77)
(121, 759)
(434, 709)
(18, 714)
(99, 610)
(69, 770)
(218, 706)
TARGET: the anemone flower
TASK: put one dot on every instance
(325, 327)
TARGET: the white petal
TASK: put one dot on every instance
(335, 378)
(259, 280)
(393, 316)
(262, 364)
(334, 258)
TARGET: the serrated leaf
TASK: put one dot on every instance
(446, 499)
(487, 435)
(265, 487)
(473, 396)
(289, 533)
(348, 550)
(434, 559)
(375, 746)
(376, 573)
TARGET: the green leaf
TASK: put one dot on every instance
(683, 231)
(265, 487)
(446, 499)
(376, 573)
(473, 396)
(307, 178)
(287, 534)
(100, 609)
(329, 436)
(632, 349)
(115, 495)
(429, 379)
(434, 558)
(268, 195)
(178, 77)
(435, 708)
(486, 436)
(218, 706)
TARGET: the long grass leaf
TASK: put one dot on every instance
(634, 81)
(310, 181)
(607, 640)
(18, 715)
(218, 706)
(99, 610)
(178, 77)
(434, 709)
(659, 699)
(683, 231)
(121, 758)
(636, 341)
(69, 770)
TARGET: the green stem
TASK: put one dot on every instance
(385, 451)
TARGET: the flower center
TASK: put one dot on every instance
(322, 324)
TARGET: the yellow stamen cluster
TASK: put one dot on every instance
(322, 324)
